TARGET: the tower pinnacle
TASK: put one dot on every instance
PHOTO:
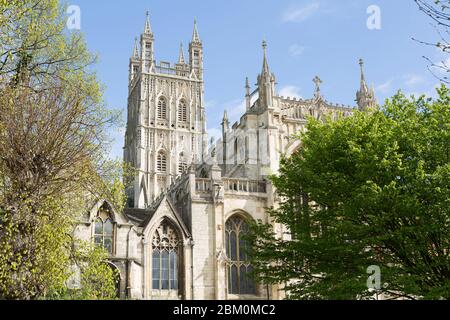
(361, 64)
(136, 49)
(148, 28)
(195, 36)
(265, 63)
(181, 59)
(365, 97)
(225, 116)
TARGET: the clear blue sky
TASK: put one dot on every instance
(305, 38)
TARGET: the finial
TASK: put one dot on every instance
(317, 81)
(265, 64)
(247, 83)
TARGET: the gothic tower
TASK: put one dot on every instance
(166, 127)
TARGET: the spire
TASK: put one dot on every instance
(365, 97)
(181, 59)
(136, 49)
(265, 64)
(148, 28)
(195, 36)
(364, 87)
(225, 117)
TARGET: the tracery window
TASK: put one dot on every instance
(162, 109)
(165, 258)
(104, 230)
(161, 162)
(182, 111)
(239, 268)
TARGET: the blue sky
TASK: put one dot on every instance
(305, 38)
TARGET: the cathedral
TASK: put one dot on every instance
(189, 204)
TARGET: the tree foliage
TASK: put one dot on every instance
(53, 126)
(370, 189)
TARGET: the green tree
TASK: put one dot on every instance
(370, 189)
(53, 126)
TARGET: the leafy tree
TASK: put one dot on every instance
(52, 143)
(370, 189)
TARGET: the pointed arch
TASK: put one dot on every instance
(166, 253)
(117, 277)
(162, 108)
(161, 161)
(104, 229)
(237, 248)
(182, 111)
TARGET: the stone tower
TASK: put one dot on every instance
(166, 126)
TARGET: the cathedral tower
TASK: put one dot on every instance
(166, 127)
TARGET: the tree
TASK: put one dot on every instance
(367, 190)
(52, 143)
(439, 12)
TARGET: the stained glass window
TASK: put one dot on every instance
(104, 230)
(240, 280)
(165, 258)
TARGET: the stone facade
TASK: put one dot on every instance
(189, 202)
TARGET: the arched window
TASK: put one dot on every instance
(165, 258)
(161, 162)
(182, 164)
(116, 277)
(162, 109)
(182, 111)
(239, 269)
(104, 230)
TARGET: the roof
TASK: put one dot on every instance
(138, 216)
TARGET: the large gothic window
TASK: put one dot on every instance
(104, 230)
(182, 111)
(162, 109)
(161, 162)
(239, 269)
(165, 258)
